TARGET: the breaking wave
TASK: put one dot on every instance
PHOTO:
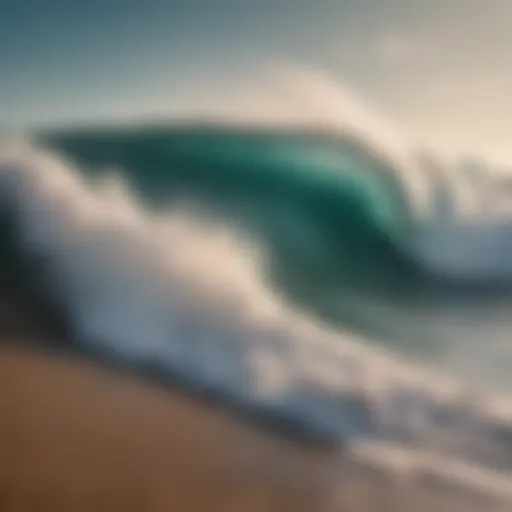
(312, 274)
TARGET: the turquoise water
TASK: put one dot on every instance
(325, 210)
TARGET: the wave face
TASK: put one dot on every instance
(292, 272)
(342, 233)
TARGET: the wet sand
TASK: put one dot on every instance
(77, 438)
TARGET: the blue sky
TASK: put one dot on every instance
(440, 68)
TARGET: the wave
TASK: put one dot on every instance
(297, 272)
(346, 236)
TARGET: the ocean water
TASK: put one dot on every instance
(316, 278)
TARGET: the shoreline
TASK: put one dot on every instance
(74, 436)
(77, 434)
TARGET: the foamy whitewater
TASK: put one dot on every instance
(193, 290)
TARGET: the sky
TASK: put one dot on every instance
(440, 69)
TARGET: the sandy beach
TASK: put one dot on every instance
(76, 437)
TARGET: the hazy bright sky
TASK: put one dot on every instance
(442, 69)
